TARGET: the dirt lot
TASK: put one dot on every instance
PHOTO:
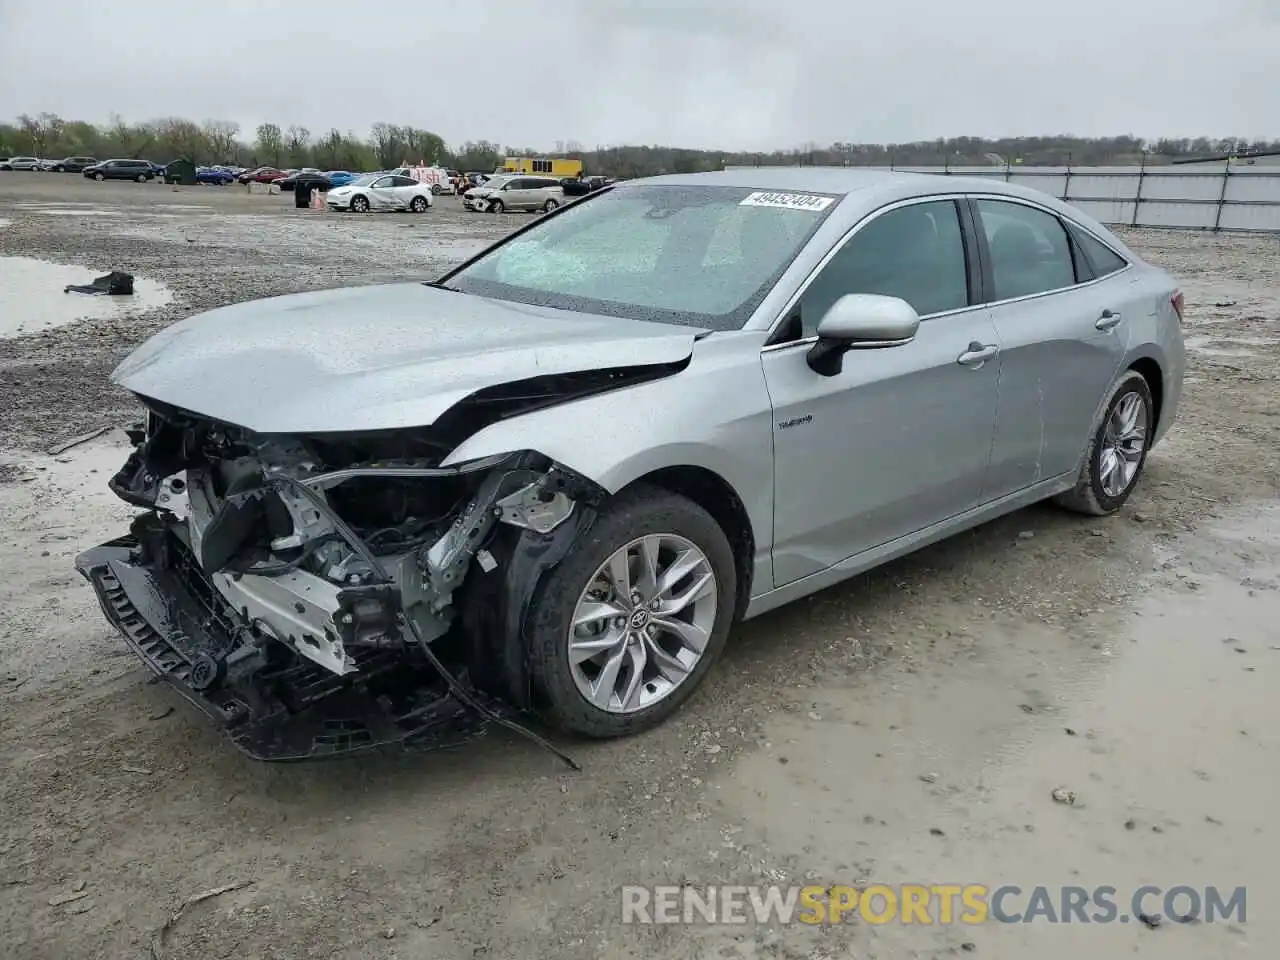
(908, 726)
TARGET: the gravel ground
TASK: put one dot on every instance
(908, 726)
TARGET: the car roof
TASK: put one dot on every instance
(865, 189)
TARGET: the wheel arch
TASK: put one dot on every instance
(1153, 373)
(713, 493)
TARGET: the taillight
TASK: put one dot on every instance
(1177, 302)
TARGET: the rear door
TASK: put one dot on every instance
(406, 188)
(900, 438)
(1061, 322)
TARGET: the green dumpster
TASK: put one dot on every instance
(180, 171)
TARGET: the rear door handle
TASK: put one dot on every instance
(977, 354)
(1109, 320)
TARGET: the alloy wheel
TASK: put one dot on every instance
(642, 623)
(1124, 441)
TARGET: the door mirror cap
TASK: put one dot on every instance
(861, 321)
(866, 318)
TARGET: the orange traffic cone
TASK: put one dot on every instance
(317, 201)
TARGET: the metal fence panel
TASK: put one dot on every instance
(1227, 197)
(1092, 186)
(1173, 214)
(1164, 186)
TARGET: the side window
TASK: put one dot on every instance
(915, 253)
(406, 182)
(1102, 258)
(383, 182)
(1029, 249)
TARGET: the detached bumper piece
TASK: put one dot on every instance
(273, 704)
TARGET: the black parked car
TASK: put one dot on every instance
(575, 187)
(74, 164)
(139, 170)
(306, 181)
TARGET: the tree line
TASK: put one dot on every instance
(387, 145)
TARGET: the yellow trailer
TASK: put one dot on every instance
(547, 166)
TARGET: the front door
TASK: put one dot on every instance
(900, 438)
(382, 193)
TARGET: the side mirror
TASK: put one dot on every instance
(860, 321)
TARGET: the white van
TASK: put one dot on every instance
(437, 177)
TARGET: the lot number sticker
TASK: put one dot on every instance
(787, 201)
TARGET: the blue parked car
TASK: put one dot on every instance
(214, 175)
(340, 178)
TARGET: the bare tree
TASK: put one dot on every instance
(296, 141)
(44, 130)
(221, 137)
(180, 139)
(129, 139)
(270, 142)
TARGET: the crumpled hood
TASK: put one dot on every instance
(375, 357)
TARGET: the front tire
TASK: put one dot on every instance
(496, 206)
(623, 631)
(1117, 450)
(99, 177)
(360, 204)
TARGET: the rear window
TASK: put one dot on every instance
(696, 255)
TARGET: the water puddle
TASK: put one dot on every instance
(1164, 732)
(1221, 346)
(32, 297)
(64, 212)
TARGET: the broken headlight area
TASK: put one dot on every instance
(283, 582)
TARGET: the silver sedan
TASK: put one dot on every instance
(571, 464)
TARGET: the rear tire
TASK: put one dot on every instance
(549, 206)
(142, 178)
(651, 514)
(435, 190)
(1120, 441)
(419, 205)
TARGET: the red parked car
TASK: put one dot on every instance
(261, 175)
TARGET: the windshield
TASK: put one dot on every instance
(698, 255)
(365, 179)
(496, 182)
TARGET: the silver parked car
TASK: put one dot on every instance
(21, 163)
(555, 478)
(515, 192)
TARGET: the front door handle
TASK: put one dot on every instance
(977, 354)
(1109, 320)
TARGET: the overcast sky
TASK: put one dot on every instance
(733, 74)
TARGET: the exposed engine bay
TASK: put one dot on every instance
(282, 570)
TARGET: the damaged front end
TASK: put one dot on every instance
(329, 593)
